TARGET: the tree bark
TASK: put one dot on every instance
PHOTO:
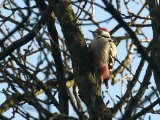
(89, 91)
(50, 22)
(154, 10)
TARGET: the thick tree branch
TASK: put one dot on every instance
(50, 22)
(89, 91)
(17, 44)
(146, 109)
(154, 10)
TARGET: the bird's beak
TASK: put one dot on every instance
(91, 31)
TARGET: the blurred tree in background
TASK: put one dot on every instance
(45, 71)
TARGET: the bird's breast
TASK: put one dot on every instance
(100, 50)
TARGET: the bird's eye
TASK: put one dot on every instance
(95, 33)
(99, 32)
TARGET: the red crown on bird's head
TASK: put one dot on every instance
(103, 29)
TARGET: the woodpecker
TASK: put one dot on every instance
(102, 52)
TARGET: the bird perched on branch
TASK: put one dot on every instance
(102, 52)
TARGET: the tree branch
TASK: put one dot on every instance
(50, 21)
(140, 48)
(146, 109)
(155, 49)
(134, 100)
(130, 86)
(89, 91)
